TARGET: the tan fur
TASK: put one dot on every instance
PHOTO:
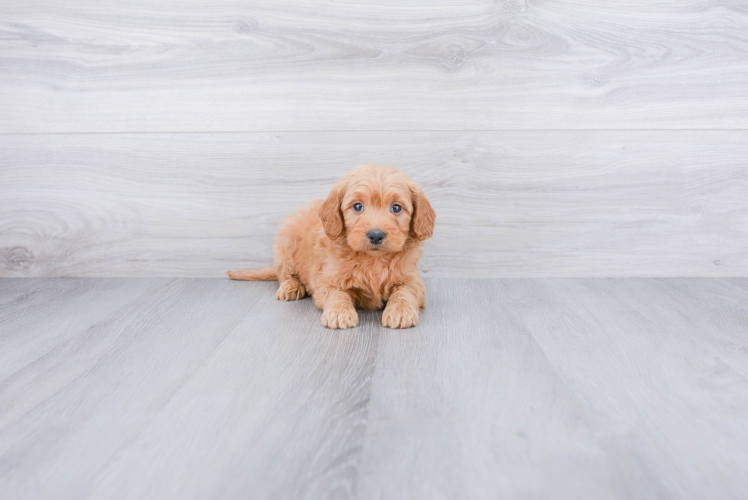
(323, 250)
(266, 274)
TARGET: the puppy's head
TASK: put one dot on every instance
(377, 208)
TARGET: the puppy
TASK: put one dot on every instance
(358, 248)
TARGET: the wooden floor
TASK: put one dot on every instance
(513, 388)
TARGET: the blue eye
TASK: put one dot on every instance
(358, 207)
(396, 209)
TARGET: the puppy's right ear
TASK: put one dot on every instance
(332, 217)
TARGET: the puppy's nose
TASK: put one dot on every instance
(376, 236)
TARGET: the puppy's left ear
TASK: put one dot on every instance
(332, 217)
(424, 217)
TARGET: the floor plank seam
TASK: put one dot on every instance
(374, 131)
(377, 332)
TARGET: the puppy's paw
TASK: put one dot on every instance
(290, 290)
(339, 317)
(399, 316)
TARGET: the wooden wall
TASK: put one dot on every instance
(554, 138)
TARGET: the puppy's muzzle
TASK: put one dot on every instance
(376, 237)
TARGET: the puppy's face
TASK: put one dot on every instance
(377, 209)
(377, 215)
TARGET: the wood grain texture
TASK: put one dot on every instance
(511, 388)
(67, 307)
(649, 375)
(222, 65)
(543, 203)
(477, 411)
(560, 388)
(186, 392)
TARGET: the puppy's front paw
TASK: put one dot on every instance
(341, 317)
(399, 316)
(290, 290)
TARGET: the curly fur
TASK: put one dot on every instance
(323, 250)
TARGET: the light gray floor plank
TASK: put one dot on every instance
(671, 412)
(55, 311)
(512, 388)
(13, 290)
(712, 313)
(563, 203)
(185, 383)
(281, 414)
(466, 405)
(69, 412)
(220, 65)
(740, 283)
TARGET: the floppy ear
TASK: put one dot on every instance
(424, 216)
(332, 217)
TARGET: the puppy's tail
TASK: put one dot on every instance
(267, 274)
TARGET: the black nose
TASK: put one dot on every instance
(376, 236)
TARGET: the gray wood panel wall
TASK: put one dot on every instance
(555, 138)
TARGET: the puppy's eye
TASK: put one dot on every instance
(358, 207)
(396, 209)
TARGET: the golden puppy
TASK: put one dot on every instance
(359, 248)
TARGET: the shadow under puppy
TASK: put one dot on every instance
(358, 248)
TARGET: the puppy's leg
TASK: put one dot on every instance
(290, 289)
(403, 304)
(337, 307)
(286, 248)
